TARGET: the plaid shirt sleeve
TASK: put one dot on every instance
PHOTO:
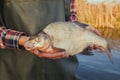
(9, 38)
(73, 16)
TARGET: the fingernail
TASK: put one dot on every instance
(36, 52)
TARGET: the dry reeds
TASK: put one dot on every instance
(105, 17)
(100, 15)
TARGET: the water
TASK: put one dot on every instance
(99, 67)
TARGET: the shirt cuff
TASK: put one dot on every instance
(73, 16)
(10, 38)
(1, 43)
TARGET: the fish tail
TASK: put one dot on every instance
(113, 44)
(108, 52)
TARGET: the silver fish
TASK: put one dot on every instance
(73, 38)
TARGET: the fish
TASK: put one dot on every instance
(73, 38)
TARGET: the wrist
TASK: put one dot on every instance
(1, 44)
(23, 39)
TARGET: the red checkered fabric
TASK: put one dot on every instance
(9, 38)
(1, 43)
(73, 16)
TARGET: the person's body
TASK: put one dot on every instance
(31, 16)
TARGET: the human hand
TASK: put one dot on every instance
(87, 26)
(94, 47)
(90, 28)
(42, 47)
(55, 54)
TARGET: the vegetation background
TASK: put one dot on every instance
(104, 16)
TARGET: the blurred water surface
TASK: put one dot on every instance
(99, 67)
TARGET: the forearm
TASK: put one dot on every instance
(11, 38)
(23, 39)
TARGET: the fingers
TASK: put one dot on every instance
(50, 55)
(59, 57)
(94, 47)
(28, 46)
(91, 47)
(90, 28)
(96, 32)
(56, 53)
(101, 49)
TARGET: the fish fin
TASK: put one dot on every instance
(108, 52)
(113, 44)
